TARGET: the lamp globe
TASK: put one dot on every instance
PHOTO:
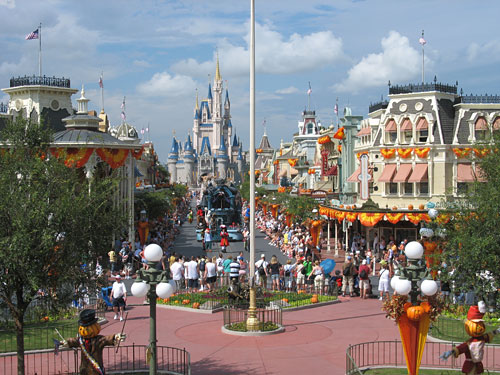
(403, 286)
(414, 250)
(164, 290)
(139, 289)
(429, 287)
(153, 253)
(394, 280)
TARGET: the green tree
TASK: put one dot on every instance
(472, 246)
(245, 190)
(301, 207)
(52, 221)
(155, 203)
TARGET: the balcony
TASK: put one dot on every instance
(478, 99)
(412, 88)
(40, 81)
(378, 105)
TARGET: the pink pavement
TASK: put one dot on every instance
(315, 340)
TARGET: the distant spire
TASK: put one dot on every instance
(197, 107)
(209, 91)
(218, 77)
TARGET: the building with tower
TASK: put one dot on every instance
(214, 150)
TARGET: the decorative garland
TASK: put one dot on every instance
(370, 219)
(258, 151)
(388, 153)
(73, 157)
(481, 152)
(292, 162)
(462, 152)
(137, 153)
(393, 218)
(358, 155)
(422, 152)
(114, 157)
(339, 134)
(324, 140)
(351, 216)
(405, 153)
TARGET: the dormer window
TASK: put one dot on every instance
(391, 132)
(310, 128)
(496, 124)
(481, 130)
(422, 130)
(406, 131)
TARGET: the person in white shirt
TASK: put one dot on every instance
(261, 272)
(177, 270)
(211, 273)
(192, 274)
(119, 294)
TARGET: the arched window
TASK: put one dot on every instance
(422, 130)
(406, 131)
(496, 124)
(481, 129)
(310, 128)
(391, 131)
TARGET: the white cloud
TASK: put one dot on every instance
(484, 52)
(275, 54)
(164, 84)
(398, 61)
(8, 3)
(288, 90)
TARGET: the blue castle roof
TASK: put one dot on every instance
(227, 97)
(209, 91)
(235, 141)
(188, 147)
(205, 146)
(240, 156)
(174, 151)
(205, 104)
(229, 123)
(222, 146)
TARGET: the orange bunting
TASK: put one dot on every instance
(351, 216)
(481, 152)
(73, 157)
(311, 171)
(358, 155)
(258, 151)
(405, 153)
(461, 152)
(394, 218)
(315, 231)
(341, 215)
(324, 140)
(414, 218)
(422, 152)
(388, 153)
(370, 219)
(137, 153)
(339, 134)
(114, 157)
(292, 162)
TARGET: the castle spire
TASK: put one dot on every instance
(218, 77)
(197, 107)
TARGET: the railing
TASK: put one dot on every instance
(269, 319)
(40, 81)
(130, 359)
(378, 105)
(480, 99)
(406, 89)
(4, 108)
(390, 354)
(450, 329)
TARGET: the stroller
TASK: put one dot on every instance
(106, 297)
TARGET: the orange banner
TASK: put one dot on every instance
(315, 231)
(405, 153)
(370, 219)
(339, 148)
(114, 157)
(394, 218)
(292, 162)
(422, 152)
(388, 153)
(481, 152)
(324, 140)
(341, 215)
(414, 218)
(73, 157)
(461, 152)
(339, 134)
(351, 216)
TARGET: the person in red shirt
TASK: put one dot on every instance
(224, 238)
(364, 274)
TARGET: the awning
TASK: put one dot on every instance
(422, 124)
(354, 176)
(419, 173)
(464, 173)
(364, 131)
(406, 125)
(387, 174)
(403, 173)
(391, 126)
(332, 171)
(481, 124)
(496, 124)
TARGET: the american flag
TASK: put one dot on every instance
(142, 131)
(100, 82)
(336, 109)
(309, 92)
(123, 116)
(123, 104)
(33, 35)
(421, 40)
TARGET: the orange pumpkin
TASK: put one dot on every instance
(89, 331)
(196, 305)
(410, 207)
(421, 207)
(415, 313)
(474, 329)
(341, 206)
(285, 300)
(314, 298)
(394, 208)
(165, 300)
(176, 301)
(185, 301)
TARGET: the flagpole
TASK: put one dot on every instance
(423, 61)
(40, 49)
(337, 110)
(102, 92)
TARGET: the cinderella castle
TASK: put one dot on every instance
(214, 151)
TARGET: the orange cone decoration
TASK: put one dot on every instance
(143, 229)
(315, 231)
(288, 218)
(274, 210)
(264, 208)
(339, 134)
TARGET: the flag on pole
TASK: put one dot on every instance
(33, 35)
(100, 82)
(147, 129)
(309, 92)
(123, 116)
(123, 103)
(336, 108)
(421, 40)
(264, 123)
(142, 131)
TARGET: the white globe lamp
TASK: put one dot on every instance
(153, 253)
(429, 287)
(164, 290)
(433, 213)
(414, 250)
(403, 287)
(394, 280)
(140, 289)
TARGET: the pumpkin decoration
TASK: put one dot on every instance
(394, 208)
(421, 207)
(165, 300)
(415, 313)
(285, 300)
(45, 318)
(185, 301)
(176, 301)
(474, 329)
(90, 331)
(341, 206)
(410, 207)
(314, 298)
(196, 305)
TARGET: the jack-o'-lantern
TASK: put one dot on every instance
(410, 207)
(88, 332)
(196, 305)
(421, 207)
(415, 313)
(474, 329)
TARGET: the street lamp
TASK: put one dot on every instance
(152, 282)
(407, 283)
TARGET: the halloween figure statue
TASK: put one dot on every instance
(91, 343)
(473, 349)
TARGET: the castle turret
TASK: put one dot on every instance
(188, 158)
(222, 159)
(240, 161)
(196, 123)
(234, 148)
(173, 158)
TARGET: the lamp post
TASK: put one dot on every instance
(152, 282)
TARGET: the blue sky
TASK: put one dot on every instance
(157, 53)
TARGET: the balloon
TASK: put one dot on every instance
(328, 265)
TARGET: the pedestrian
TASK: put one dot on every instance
(261, 271)
(383, 281)
(208, 240)
(275, 268)
(243, 268)
(220, 268)
(364, 273)
(318, 275)
(234, 270)
(192, 274)
(119, 294)
(177, 271)
(288, 274)
(113, 261)
(202, 268)
(211, 273)
(224, 238)
(308, 266)
(348, 271)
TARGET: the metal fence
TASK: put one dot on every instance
(453, 329)
(130, 359)
(266, 317)
(390, 354)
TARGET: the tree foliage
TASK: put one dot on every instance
(472, 247)
(53, 220)
(245, 190)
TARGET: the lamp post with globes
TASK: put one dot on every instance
(152, 282)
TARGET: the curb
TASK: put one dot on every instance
(190, 309)
(312, 305)
(254, 334)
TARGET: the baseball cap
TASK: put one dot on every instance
(262, 256)
(118, 277)
(348, 257)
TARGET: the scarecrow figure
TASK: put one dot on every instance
(473, 349)
(91, 343)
